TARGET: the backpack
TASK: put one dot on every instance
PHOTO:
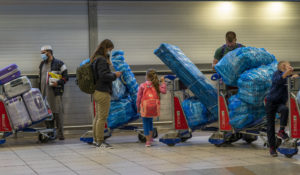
(85, 78)
(150, 102)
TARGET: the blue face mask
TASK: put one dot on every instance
(44, 56)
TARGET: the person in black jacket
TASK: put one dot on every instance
(102, 95)
(53, 91)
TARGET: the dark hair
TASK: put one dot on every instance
(152, 76)
(230, 36)
(51, 51)
(102, 50)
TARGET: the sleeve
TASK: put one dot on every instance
(277, 79)
(103, 72)
(163, 88)
(64, 73)
(139, 96)
(218, 54)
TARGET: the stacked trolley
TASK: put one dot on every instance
(21, 106)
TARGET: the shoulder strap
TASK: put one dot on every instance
(239, 45)
(223, 50)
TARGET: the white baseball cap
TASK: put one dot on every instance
(46, 47)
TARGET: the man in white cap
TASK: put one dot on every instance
(53, 90)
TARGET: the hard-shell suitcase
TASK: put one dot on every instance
(9, 73)
(4, 121)
(18, 114)
(17, 87)
(35, 105)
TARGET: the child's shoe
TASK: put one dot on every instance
(282, 134)
(273, 152)
(148, 144)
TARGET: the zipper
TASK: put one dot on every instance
(9, 74)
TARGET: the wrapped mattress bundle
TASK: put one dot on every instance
(254, 84)
(234, 63)
(191, 77)
(119, 64)
(121, 112)
(242, 115)
(118, 89)
(195, 112)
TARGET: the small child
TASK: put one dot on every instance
(276, 102)
(148, 102)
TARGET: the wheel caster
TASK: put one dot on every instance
(43, 138)
(142, 138)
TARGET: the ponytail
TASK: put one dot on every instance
(151, 74)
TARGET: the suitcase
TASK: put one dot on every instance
(17, 87)
(17, 112)
(4, 121)
(9, 73)
(35, 105)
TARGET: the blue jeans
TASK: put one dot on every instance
(148, 125)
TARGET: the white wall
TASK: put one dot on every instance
(27, 25)
(198, 28)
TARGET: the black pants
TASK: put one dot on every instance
(271, 110)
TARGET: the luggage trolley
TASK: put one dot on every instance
(44, 134)
(290, 147)
(226, 134)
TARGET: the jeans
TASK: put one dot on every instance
(148, 125)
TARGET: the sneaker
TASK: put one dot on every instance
(282, 134)
(148, 144)
(61, 138)
(273, 152)
(105, 145)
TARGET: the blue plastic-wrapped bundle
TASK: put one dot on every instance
(298, 97)
(242, 114)
(121, 112)
(195, 112)
(254, 84)
(84, 62)
(234, 63)
(190, 75)
(118, 89)
(119, 64)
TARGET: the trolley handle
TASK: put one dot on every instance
(170, 77)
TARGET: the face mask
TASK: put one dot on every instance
(108, 53)
(44, 56)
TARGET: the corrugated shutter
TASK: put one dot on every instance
(27, 25)
(198, 28)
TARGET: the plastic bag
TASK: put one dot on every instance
(190, 76)
(84, 62)
(120, 113)
(234, 63)
(195, 112)
(242, 114)
(119, 64)
(118, 89)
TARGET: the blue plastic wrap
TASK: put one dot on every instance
(242, 114)
(190, 75)
(120, 113)
(254, 84)
(195, 112)
(118, 89)
(234, 63)
(298, 97)
(84, 62)
(119, 64)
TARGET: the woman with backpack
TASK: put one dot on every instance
(148, 102)
(103, 78)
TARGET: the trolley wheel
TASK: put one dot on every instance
(249, 138)
(142, 138)
(43, 138)
(155, 133)
(171, 144)
(184, 139)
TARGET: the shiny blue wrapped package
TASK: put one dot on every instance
(121, 112)
(195, 112)
(84, 62)
(190, 75)
(234, 63)
(119, 64)
(242, 115)
(118, 89)
(254, 84)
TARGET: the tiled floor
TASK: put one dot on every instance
(23, 156)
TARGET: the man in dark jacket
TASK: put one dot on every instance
(54, 89)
